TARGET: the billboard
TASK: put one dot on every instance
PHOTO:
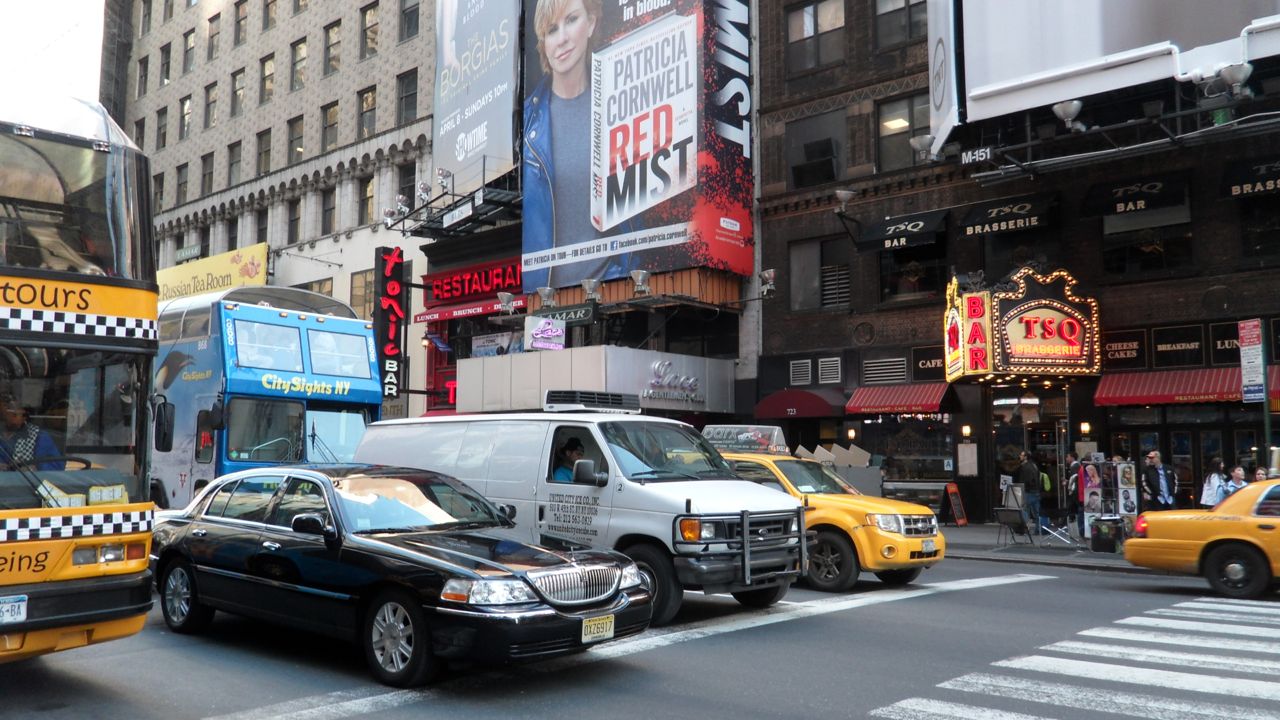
(246, 266)
(637, 139)
(475, 90)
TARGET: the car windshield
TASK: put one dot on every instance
(814, 478)
(663, 451)
(394, 501)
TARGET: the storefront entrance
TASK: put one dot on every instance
(1034, 418)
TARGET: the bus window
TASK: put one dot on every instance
(170, 327)
(338, 354)
(195, 324)
(204, 437)
(264, 430)
(268, 347)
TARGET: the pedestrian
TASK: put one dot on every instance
(1260, 474)
(1212, 493)
(1234, 483)
(24, 444)
(1074, 490)
(1029, 476)
(1159, 483)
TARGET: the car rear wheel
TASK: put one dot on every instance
(833, 564)
(898, 578)
(656, 566)
(397, 643)
(763, 597)
(1237, 571)
(180, 602)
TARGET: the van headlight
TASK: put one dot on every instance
(488, 592)
(631, 576)
(887, 523)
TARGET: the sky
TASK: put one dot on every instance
(52, 44)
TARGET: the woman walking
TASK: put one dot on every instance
(1212, 493)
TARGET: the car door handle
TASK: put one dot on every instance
(271, 545)
(542, 509)
(1266, 527)
(199, 533)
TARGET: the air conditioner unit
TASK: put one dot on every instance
(590, 401)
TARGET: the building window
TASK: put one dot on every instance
(324, 286)
(267, 78)
(332, 48)
(408, 19)
(168, 9)
(364, 207)
(898, 121)
(407, 97)
(205, 241)
(913, 273)
(188, 51)
(165, 64)
(366, 120)
(1147, 251)
(815, 149)
(1259, 231)
(210, 106)
(264, 152)
(242, 22)
(140, 132)
(162, 129)
(237, 92)
(295, 220)
(260, 225)
(233, 163)
(368, 31)
(184, 118)
(142, 76)
(233, 232)
(299, 6)
(215, 31)
(898, 21)
(1005, 252)
(206, 174)
(328, 210)
(295, 140)
(268, 14)
(180, 190)
(144, 25)
(298, 66)
(329, 127)
(362, 293)
(406, 176)
(815, 35)
(157, 191)
(819, 274)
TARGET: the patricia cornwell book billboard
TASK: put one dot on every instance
(636, 138)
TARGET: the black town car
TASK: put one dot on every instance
(412, 565)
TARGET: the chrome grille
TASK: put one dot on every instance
(577, 584)
(764, 530)
(919, 525)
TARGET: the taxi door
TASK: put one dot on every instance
(568, 513)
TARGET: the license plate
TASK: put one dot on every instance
(13, 609)
(597, 628)
(930, 546)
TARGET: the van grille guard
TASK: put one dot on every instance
(765, 531)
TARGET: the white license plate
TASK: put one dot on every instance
(13, 609)
(930, 546)
(597, 628)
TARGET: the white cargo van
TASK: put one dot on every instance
(650, 487)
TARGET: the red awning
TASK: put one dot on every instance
(822, 402)
(471, 309)
(889, 399)
(1168, 387)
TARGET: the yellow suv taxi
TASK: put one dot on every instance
(895, 540)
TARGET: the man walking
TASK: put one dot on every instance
(1029, 476)
(1158, 483)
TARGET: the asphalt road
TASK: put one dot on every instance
(971, 640)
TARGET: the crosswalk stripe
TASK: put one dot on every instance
(1162, 656)
(1187, 682)
(1232, 617)
(1267, 609)
(1218, 628)
(301, 706)
(1164, 638)
(1151, 707)
(926, 709)
(1235, 601)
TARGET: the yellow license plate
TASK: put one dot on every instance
(597, 628)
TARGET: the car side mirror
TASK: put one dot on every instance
(164, 414)
(584, 472)
(311, 524)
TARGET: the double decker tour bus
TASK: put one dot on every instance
(259, 376)
(77, 340)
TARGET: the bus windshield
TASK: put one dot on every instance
(267, 430)
(663, 451)
(334, 433)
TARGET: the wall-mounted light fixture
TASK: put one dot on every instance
(507, 302)
(1085, 428)
(966, 431)
(923, 146)
(768, 282)
(852, 434)
(1067, 111)
(424, 192)
(548, 295)
(591, 287)
(641, 279)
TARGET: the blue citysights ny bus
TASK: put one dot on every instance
(258, 376)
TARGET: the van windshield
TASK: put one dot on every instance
(663, 451)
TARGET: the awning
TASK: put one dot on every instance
(892, 399)
(1252, 176)
(821, 402)
(903, 231)
(471, 309)
(1008, 215)
(1170, 387)
(1135, 195)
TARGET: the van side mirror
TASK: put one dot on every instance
(507, 511)
(217, 419)
(164, 414)
(584, 472)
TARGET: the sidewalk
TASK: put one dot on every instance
(979, 542)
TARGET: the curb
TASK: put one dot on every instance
(977, 554)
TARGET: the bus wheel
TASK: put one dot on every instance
(656, 566)
(179, 601)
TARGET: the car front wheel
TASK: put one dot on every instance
(1237, 571)
(397, 643)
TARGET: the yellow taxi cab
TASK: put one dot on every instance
(895, 540)
(1235, 546)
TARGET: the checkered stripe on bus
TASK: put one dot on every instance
(60, 321)
(68, 526)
